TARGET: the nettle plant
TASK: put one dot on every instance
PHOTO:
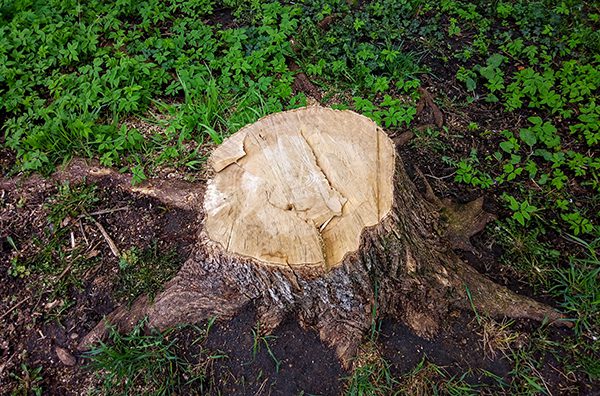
(70, 80)
(546, 67)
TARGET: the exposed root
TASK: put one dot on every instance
(176, 193)
(462, 221)
(123, 318)
(403, 138)
(497, 301)
(459, 221)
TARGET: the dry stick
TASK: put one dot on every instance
(64, 271)
(440, 177)
(103, 211)
(535, 371)
(14, 307)
(109, 241)
(83, 233)
(6, 362)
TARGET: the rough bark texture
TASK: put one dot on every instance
(403, 269)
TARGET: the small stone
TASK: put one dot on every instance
(52, 304)
(65, 356)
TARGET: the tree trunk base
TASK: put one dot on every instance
(403, 269)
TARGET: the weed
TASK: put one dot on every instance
(525, 377)
(522, 211)
(578, 288)
(28, 381)
(145, 271)
(428, 138)
(259, 340)
(55, 263)
(149, 363)
(427, 378)
(497, 337)
(371, 375)
(525, 252)
(71, 202)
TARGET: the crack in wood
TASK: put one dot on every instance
(316, 162)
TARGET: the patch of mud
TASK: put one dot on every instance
(457, 348)
(298, 363)
(33, 322)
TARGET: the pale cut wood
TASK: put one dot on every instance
(298, 188)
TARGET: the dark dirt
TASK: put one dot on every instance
(306, 366)
(42, 321)
(456, 348)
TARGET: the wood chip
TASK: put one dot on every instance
(65, 356)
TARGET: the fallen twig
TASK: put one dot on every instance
(17, 305)
(64, 272)
(103, 211)
(440, 177)
(83, 233)
(109, 241)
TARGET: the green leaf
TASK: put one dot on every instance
(519, 217)
(507, 146)
(535, 120)
(495, 60)
(528, 137)
(470, 84)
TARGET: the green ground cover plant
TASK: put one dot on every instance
(75, 74)
(152, 364)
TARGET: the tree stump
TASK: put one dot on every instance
(310, 212)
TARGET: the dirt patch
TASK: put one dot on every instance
(457, 348)
(37, 316)
(291, 361)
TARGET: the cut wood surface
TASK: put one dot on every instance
(298, 188)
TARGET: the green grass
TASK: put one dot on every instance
(27, 381)
(152, 363)
(371, 375)
(526, 252)
(427, 378)
(71, 202)
(577, 287)
(259, 341)
(145, 271)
